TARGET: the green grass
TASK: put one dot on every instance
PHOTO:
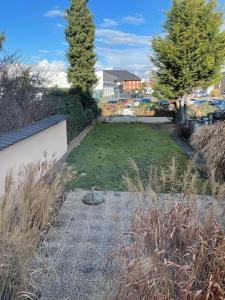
(105, 155)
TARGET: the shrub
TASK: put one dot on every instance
(209, 142)
(21, 90)
(26, 208)
(69, 102)
(184, 130)
(175, 250)
(76, 120)
(24, 99)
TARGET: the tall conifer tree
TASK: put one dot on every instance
(80, 35)
(192, 50)
(2, 38)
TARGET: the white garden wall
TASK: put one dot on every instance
(50, 141)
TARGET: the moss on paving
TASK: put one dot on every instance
(105, 155)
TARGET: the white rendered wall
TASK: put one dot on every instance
(99, 85)
(105, 84)
(51, 141)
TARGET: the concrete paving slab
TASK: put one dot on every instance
(73, 256)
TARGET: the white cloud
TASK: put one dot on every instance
(55, 73)
(54, 66)
(43, 51)
(116, 37)
(131, 51)
(136, 60)
(55, 12)
(109, 23)
(100, 66)
(136, 19)
(52, 52)
(60, 25)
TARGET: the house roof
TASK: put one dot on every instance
(123, 75)
(18, 135)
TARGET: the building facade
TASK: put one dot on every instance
(131, 85)
(127, 81)
(112, 82)
(105, 86)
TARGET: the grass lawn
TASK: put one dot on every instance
(105, 154)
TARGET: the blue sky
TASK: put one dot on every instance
(35, 28)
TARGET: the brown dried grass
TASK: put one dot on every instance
(26, 209)
(209, 142)
(174, 250)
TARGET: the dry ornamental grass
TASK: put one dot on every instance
(209, 142)
(26, 209)
(176, 249)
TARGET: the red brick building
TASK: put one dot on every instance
(131, 85)
(125, 80)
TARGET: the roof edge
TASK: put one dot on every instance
(10, 138)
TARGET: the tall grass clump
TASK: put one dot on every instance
(209, 142)
(176, 243)
(26, 208)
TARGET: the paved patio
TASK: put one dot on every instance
(73, 257)
(74, 254)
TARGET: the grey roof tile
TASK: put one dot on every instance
(18, 135)
(123, 75)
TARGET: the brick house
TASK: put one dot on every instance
(125, 80)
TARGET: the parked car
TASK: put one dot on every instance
(219, 104)
(202, 95)
(146, 100)
(137, 102)
(128, 104)
(112, 102)
(199, 102)
(163, 102)
(124, 100)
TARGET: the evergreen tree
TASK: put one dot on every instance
(192, 50)
(80, 34)
(2, 38)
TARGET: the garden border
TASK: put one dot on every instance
(75, 143)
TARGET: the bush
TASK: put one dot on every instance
(69, 102)
(76, 119)
(21, 90)
(184, 130)
(175, 250)
(209, 142)
(26, 208)
(25, 100)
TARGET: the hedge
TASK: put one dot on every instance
(80, 109)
